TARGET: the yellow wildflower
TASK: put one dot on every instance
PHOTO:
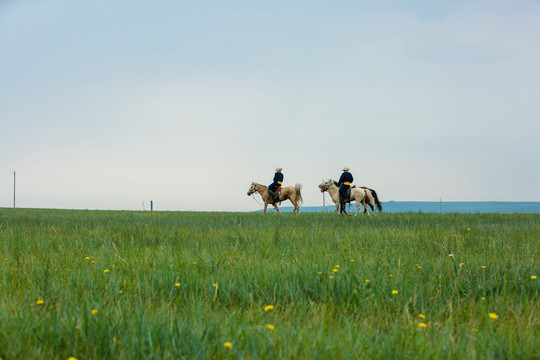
(177, 284)
(106, 271)
(320, 272)
(270, 326)
(533, 277)
(336, 266)
(40, 302)
(483, 266)
(390, 276)
(395, 292)
(72, 358)
(422, 316)
(493, 316)
(86, 258)
(215, 285)
(468, 229)
(422, 325)
(475, 330)
(330, 277)
(352, 260)
(94, 311)
(269, 307)
(462, 264)
(335, 270)
(366, 281)
(227, 344)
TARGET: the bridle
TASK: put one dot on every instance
(253, 189)
(253, 192)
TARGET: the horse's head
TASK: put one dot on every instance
(252, 188)
(325, 185)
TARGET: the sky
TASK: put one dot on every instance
(113, 104)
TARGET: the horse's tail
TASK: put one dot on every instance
(377, 202)
(297, 188)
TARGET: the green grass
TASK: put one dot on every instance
(256, 261)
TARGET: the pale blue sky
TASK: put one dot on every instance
(104, 105)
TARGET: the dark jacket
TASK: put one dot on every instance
(278, 179)
(346, 177)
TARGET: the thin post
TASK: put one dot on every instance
(14, 188)
(151, 208)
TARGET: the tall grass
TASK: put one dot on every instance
(340, 287)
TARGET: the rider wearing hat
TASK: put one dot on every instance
(273, 187)
(344, 184)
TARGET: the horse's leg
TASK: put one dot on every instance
(343, 204)
(365, 207)
(265, 206)
(371, 206)
(336, 209)
(371, 201)
(296, 207)
(275, 206)
(357, 207)
(372, 209)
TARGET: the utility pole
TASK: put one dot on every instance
(14, 182)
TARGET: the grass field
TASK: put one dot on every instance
(121, 285)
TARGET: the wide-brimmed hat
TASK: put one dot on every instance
(346, 169)
(279, 169)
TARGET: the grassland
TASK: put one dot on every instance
(121, 285)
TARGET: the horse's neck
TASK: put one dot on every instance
(261, 188)
(333, 191)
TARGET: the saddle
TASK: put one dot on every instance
(275, 194)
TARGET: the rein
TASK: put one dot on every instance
(257, 192)
(256, 199)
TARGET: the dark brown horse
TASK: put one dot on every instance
(377, 202)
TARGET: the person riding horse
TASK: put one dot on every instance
(344, 184)
(276, 184)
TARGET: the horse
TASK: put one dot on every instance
(376, 203)
(291, 193)
(357, 194)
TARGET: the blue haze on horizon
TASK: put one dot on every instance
(108, 105)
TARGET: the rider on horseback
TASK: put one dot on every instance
(344, 184)
(276, 184)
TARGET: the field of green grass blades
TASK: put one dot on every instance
(120, 284)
